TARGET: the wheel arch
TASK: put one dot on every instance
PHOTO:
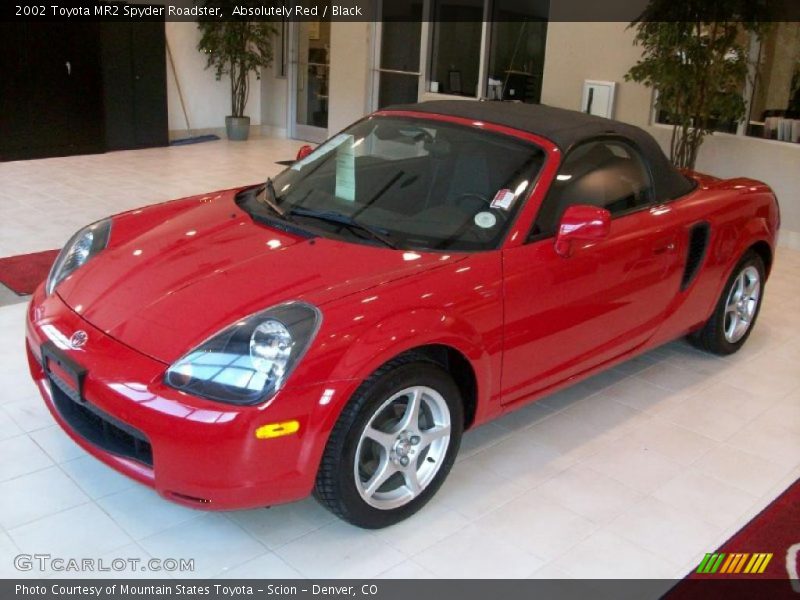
(764, 250)
(459, 367)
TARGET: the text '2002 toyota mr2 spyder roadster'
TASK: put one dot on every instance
(335, 330)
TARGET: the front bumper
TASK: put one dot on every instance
(191, 450)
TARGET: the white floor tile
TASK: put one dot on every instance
(470, 554)
(8, 551)
(266, 566)
(95, 478)
(30, 413)
(8, 427)
(522, 460)
(668, 532)
(22, 499)
(604, 555)
(679, 445)
(20, 455)
(432, 524)
(215, 543)
(281, 524)
(590, 494)
(407, 570)
(539, 526)
(634, 464)
(340, 551)
(141, 512)
(81, 531)
(740, 469)
(707, 498)
(58, 445)
(473, 490)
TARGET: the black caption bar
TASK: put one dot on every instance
(406, 10)
(162, 589)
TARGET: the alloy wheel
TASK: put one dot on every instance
(741, 304)
(402, 447)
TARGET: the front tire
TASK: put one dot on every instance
(737, 309)
(393, 445)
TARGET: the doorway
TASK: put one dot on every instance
(311, 81)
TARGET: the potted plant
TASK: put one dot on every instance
(695, 55)
(236, 48)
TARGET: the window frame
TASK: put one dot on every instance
(426, 56)
(632, 146)
(753, 55)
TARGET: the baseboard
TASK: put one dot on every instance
(789, 239)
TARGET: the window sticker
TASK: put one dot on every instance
(485, 220)
(346, 170)
(503, 199)
(332, 143)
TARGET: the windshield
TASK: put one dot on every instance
(407, 183)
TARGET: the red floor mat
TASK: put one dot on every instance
(768, 547)
(24, 272)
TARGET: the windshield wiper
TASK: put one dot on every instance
(271, 200)
(347, 221)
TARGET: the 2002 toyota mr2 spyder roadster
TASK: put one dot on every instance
(335, 329)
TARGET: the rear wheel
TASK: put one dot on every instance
(393, 445)
(737, 309)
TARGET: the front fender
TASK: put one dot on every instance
(459, 306)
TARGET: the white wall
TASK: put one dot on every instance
(351, 47)
(274, 102)
(207, 100)
(579, 51)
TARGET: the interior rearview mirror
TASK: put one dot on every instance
(304, 151)
(581, 223)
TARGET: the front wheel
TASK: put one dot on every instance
(737, 309)
(393, 446)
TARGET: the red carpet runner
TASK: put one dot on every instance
(24, 272)
(762, 559)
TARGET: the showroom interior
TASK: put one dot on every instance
(637, 472)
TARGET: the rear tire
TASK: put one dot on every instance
(393, 445)
(737, 309)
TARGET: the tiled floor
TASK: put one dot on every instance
(634, 473)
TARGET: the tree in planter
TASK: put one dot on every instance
(695, 55)
(235, 48)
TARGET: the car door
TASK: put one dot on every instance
(564, 315)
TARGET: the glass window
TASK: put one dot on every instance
(401, 33)
(607, 173)
(516, 50)
(775, 101)
(456, 46)
(422, 184)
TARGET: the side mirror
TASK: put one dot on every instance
(304, 151)
(581, 223)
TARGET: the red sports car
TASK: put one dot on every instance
(335, 330)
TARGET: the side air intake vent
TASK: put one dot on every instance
(698, 244)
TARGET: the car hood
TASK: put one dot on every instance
(175, 274)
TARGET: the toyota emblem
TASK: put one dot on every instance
(79, 339)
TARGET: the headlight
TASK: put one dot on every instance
(249, 361)
(79, 249)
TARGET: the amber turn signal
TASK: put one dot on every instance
(273, 430)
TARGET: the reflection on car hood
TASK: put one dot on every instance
(177, 273)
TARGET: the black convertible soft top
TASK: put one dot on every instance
(564, 128)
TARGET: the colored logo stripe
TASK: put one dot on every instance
(710, 563)
(737, 562)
